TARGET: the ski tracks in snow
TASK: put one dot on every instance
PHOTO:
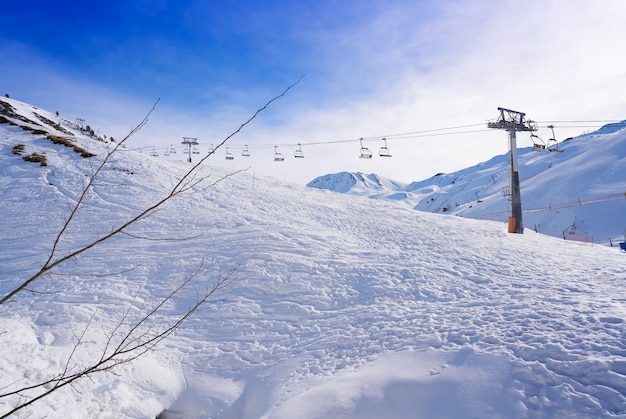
(548, 314)
(330, 289)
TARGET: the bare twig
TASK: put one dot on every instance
(132, 344)
(186, 183)
(128, 340)
(50, 263)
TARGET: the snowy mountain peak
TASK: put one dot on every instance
(355, 183)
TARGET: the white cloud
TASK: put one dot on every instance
(553, 60)
(399, 68)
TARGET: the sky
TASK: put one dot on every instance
(425, 75)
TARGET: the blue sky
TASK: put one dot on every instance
(372, 69)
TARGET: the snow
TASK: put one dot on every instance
(355, 183)
(573, 194)
(343, 306)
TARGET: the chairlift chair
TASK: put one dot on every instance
(537, 146)
(229, 155)
(298, 153)
(384, 151)
(245, 152)
(553, 147)
(172, 150)
(278, 156)
(211, 149)
(365, 152)
(153, 153)
(195, 150)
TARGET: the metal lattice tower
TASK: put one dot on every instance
(189, 142)
(513, 121)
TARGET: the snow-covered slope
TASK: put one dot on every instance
(579, 193)
(40, 121)
(343, 307)
(358, 184)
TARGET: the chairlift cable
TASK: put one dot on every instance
(433, 132)
(606, 121)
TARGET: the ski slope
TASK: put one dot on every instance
(342, 307)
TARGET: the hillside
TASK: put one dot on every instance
(342, 307)
(579, 193)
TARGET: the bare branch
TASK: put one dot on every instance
(210, 185)
(186, 183)
(128, 340)
(133, 344)
(49, 264)
(261, 109)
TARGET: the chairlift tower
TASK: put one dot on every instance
(189, 142)
(513, 121)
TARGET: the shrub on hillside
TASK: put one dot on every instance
(84, 153)
(68, 143)
(60, 140)
(36, 158)
(40, 158)
(18, 149)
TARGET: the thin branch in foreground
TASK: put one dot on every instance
(186, 183)
(258, 111)
(132, 344)
(128, 340)
(49, 264)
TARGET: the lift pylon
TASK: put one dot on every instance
(191, 144)
(513, 121)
